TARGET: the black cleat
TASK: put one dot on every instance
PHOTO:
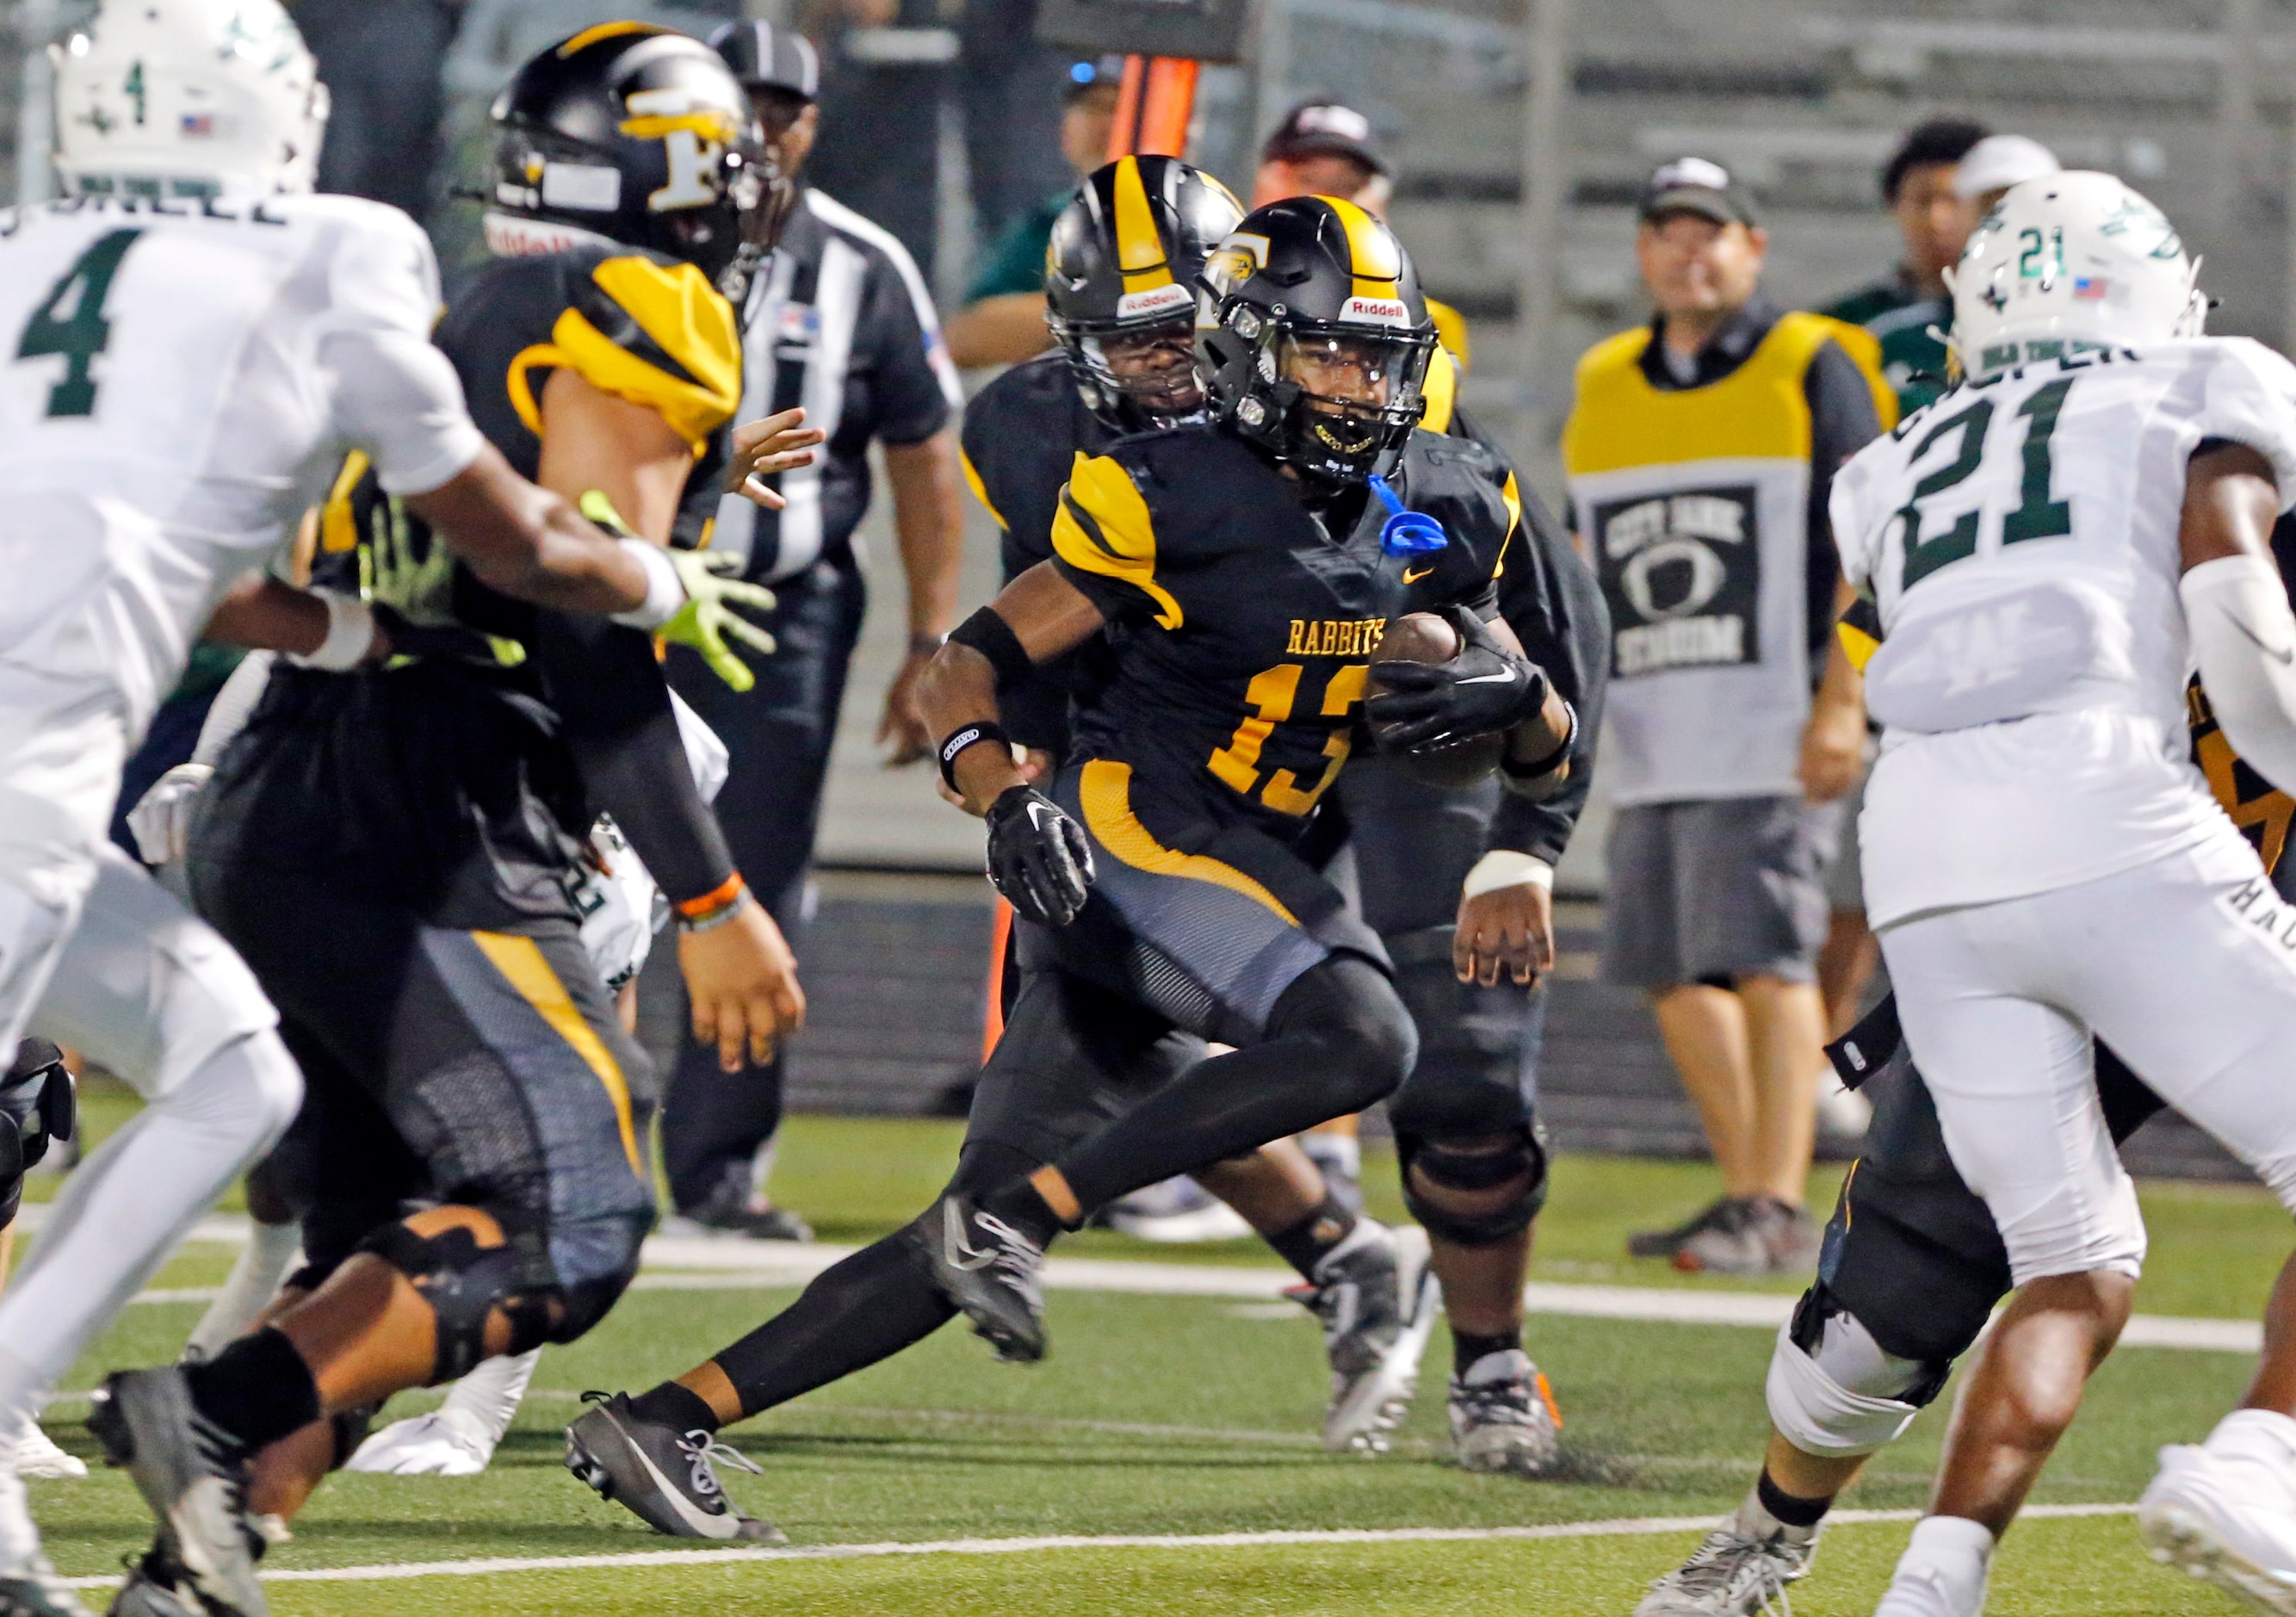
(192, 1475)
(990, 1272)
(666, 1478)
(38, 1592)
(156, 1587)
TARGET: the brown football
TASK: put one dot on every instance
(1426, 637)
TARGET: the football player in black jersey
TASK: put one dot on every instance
(1160, 882)
(393, 845)
(1468, 1113)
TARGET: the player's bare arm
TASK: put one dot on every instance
(741, 976)
(1048, 616)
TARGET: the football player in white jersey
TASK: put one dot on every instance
(2053, 546)
(190, 346)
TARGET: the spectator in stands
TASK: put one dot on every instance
(1997, 163)
(1917, 185)
(839, 321)
(1003, 321)
(1700, 451)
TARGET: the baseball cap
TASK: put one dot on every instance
(764, 57)
(2001, 160)
(1694, 185)
(1324, 129)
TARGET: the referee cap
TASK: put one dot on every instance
(764, 57)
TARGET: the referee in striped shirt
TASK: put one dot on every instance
(838, 320)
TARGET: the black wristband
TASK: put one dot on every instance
(990, 634)
(963, 737)
(1549, 764)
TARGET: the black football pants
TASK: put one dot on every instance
(779, 736)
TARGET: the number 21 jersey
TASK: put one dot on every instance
(2019, 538)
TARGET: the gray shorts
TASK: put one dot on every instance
(1717, 890)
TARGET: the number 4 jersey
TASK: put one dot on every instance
(2018, 540)
(177, 380)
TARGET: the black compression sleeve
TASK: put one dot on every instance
(988, 633)
(608, 691)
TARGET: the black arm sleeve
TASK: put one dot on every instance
(1035, 712)
(1842, 421)
(1552, 601)
(610, 694)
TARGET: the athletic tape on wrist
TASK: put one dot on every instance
(1505, 867)
(350, 635)
(665, 590)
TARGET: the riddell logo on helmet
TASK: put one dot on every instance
(1155, 301)
(1378, 311)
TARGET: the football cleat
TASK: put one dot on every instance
(1377, 1298)
(1666, 1243)
(156, 1587)
(36, 1591)
(1734, 1573)
(440, 1443)
(1503, 1416)
(34, 1454)
(2228, 1519)
(989, 1272)
(1758, 1236)
(1172, 1213)
(666, 1478)
(192, 1475)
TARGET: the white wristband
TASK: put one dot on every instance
(665, 591)
(1504, 867)
(350, 635)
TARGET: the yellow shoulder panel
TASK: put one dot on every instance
(979, 489)
(1511, 493)
(1441, 391)
(681, 315)
(1104, 527)
(1864, 347)
(336, 532)
(1451, 327)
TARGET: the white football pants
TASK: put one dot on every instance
(154, 995)
(2185, 967)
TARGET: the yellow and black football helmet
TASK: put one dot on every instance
(638, 135)
(1120, 275)
(1313, 337)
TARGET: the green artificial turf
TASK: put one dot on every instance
(1194, 1416)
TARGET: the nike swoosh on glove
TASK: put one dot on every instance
(1038, 856)
(1481, 691)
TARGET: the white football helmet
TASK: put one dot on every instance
(2066, 263)
(188, 98)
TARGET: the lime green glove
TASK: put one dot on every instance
(708, 619)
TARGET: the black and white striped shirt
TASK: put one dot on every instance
(838, 321)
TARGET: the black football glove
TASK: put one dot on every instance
(1481, 691)
(1038, 857)
(37, 1099)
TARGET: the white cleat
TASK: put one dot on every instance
(1503, 1416)
(1734, 1573)
(1377, 1298)
(34, 1454)
(443, 1443)
(2228, 1519)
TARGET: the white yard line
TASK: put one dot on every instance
(1629, 1527)
(676, 1263)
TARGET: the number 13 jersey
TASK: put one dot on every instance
(2018, 539)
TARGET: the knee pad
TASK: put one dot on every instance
(463, 1282)
(1524, 1158)
(1833, 1390)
